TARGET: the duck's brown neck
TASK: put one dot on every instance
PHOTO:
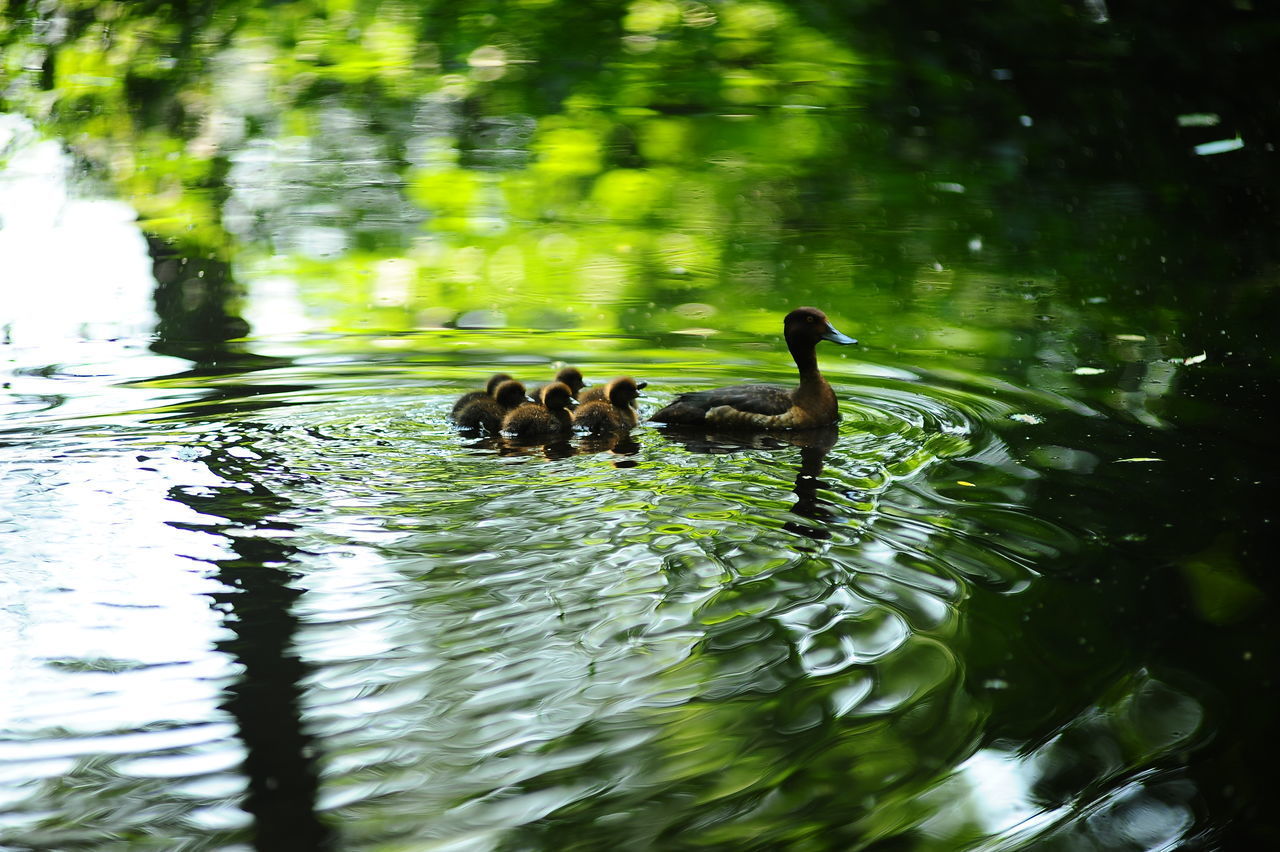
(806, 359)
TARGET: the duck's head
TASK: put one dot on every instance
(809, 325)
(623, 390)
(491, 386)
(572, 377)
(556, 396)
(510, 393)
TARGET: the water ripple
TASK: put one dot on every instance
(491, 638)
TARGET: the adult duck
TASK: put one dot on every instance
(612, 410)
(468, 398)
(547, 418)
(487, 412)
(762, 407)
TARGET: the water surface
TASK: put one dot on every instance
(293, 590)
(256, 593)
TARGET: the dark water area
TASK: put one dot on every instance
(256, 592)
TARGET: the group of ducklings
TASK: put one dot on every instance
(503, 405)
(554, 410)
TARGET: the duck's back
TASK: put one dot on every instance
(758, 399)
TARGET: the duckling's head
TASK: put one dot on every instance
(572, 377)
(809, 325)
(623, 390)
(556, 396)
(509, 394)
(491, 386)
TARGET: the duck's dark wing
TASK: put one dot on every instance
(758, 399)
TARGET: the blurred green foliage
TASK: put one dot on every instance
(567, 165)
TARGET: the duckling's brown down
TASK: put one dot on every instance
(548, 419)
(612, 409)
(570, 376)
(487, 412)
(489, 388)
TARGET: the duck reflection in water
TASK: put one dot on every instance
(622, 445)
(814, 446)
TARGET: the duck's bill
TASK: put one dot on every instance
(836, 337)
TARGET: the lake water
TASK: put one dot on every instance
(257, 593)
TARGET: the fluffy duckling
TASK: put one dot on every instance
(569, 376)
(487, 411)
(760, 407)
(612, 410)
(594, 393)
(468, 398)
(549, 418)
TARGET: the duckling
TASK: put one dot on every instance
(570, 376)
(759, 407)
(468, 398)
(594, 393)
(612, 410)
(550, 419)
(487, 411)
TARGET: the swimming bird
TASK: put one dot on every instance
(596, 392)
(569, 376)
(487, 412)
(548, 418)
(612, 410)
(757, 407)
(489, 387)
